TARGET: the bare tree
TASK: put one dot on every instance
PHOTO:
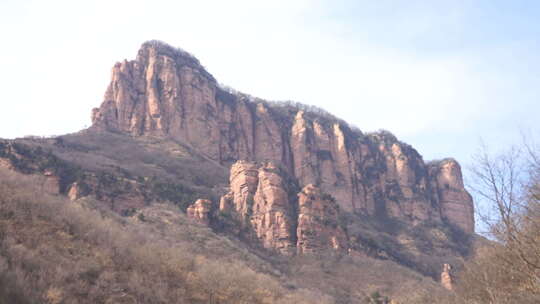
(498, 183)
(507, 188)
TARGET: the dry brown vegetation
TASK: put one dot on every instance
(506, 270)
(81, 252)
(55, 251)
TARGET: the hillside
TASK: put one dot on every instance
(179, 183)
(55, 251)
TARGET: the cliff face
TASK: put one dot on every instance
(269, 207)
(166, 92)
(318, 222)
(455, 202)
(272, 210)
(259, 198)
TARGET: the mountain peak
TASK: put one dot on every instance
(165, 49)
(167, 93)
(180, 56)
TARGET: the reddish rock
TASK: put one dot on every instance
(318, 222)
(446, 278)
(406, 183)
(74, 192)
(272, 210)
(166, 92)
(261, 196)
(456, 204)
(244, 180)
(163, 92)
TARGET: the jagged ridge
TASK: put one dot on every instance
(166, 92)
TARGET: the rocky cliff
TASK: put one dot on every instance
(455, 202)
(166, 92)
(318, 222)
(270, 207)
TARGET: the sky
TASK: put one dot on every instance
(440, 75)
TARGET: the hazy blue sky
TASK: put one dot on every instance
(438, 74)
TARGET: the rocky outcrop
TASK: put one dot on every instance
(200, 211)
(74, 192)
(166, 92)
(259, 197)
(455, 202)
(318, 222)
(272, 215)
(244, 180)
(446, 278)
(267, 203)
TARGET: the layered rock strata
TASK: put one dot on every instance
(263, 198)
(318, 222)
(166, 92)
(454, 201)
(259, 197)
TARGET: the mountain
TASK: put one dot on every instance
(310, 201)
(166, 93)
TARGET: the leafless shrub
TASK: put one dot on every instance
(508, 269)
